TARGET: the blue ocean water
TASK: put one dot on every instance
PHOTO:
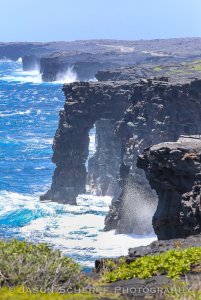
(28, 120)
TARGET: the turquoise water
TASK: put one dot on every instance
(28, 120)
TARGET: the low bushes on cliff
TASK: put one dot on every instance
(174, 263)
(37, 266)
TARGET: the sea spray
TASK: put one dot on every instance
(67, 76)
(29, 119)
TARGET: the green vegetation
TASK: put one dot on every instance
(157, 69)
(175, 71)
(196, 67)
(37, 266)
(20, 293)
(35, 272)
(196, 61)
(174, 263)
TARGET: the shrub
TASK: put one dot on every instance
(37, 266)
(174, 263)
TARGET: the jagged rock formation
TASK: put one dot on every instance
(160, 112)
(86, 104)
(174, 171)
(83, 65)
(90, 57)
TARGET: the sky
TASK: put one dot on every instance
(59, 20)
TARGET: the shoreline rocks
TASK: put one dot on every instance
(155, 111)
(159, 112)
(174, 171)
(87, 103)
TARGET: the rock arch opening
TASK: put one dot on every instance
(87, 104)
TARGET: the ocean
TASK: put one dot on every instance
(28, 119)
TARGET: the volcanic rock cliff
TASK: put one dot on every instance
(88, 58)
(160, 112)
(88, 104)
(174, 171)
(156, 111)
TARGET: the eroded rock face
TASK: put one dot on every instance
(104, 164)
(160, 112)
(87, 104)
(174, 171)
(83, 66)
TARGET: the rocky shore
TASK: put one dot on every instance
(148, 150)
(174, 171)
(155, 111)
(103, 58)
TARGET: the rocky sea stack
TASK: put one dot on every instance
(129, 116)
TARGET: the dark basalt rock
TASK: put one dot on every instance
(102, 57)
(86, 104)
(174, 171)
(103, 166)
(16, 50)
(83, 65)
(175, 72)
(160, 112)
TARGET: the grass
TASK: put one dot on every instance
(173, 263)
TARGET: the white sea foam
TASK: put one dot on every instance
(9, 114)
(5, 60)
(76, 230)
(23, 77)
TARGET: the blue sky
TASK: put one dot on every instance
(48, 20)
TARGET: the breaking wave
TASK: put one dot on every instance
(76, 230)
(67, 77)
(23, 77)
(28, 120)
